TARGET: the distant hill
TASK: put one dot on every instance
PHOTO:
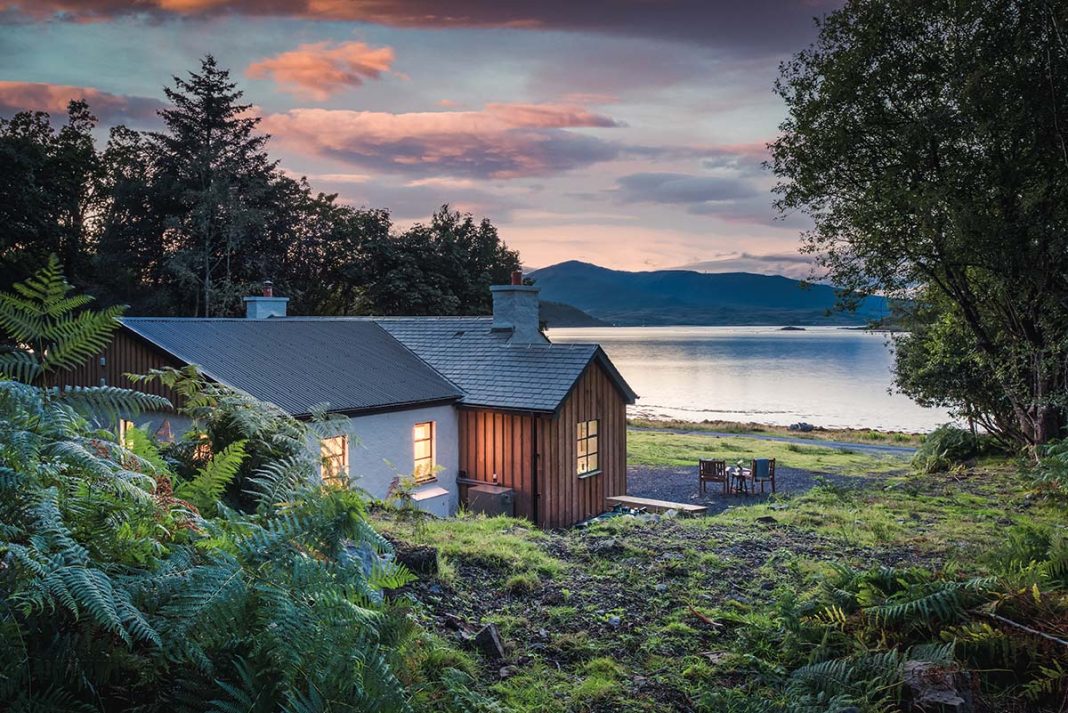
(666, 297)
(558, 314)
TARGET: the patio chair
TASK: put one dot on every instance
(763, 471)
(712, 471)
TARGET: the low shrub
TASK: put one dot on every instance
(1051, 474)
(945, 447)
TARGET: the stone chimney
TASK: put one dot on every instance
(265, 305)
(515, 310)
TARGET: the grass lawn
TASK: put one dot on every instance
(654, 448)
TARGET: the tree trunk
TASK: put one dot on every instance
(1049, 424)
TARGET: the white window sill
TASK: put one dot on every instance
(428, 493)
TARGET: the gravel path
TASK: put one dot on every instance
(679, 484)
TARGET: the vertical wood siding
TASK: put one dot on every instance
(505, 443)
(126, 354)
(571, 499)
(499, 443)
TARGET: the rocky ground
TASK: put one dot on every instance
(636, 596)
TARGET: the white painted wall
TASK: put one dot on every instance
(381, 451)
(158, 423)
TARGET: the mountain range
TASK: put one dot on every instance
(685, 297)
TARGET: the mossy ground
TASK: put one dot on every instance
(644, 615)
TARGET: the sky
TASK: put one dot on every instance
(627, 133)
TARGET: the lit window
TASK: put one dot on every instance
(202, 449)
(125, 427)
(335, 456)
(423, 443)
(588, 462)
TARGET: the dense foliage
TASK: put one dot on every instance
(885, 639)
(945, 447)
(1051, 472)
(127, 582)
(927, 142)
(188, 220)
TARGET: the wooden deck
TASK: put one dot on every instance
(657, 505)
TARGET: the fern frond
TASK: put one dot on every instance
(20, 366)
(211, 481)
(109, 402)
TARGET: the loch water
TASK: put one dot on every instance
(826, 376)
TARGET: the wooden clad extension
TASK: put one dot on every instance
(537, 454)
(127, 354)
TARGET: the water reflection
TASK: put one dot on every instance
(825, 376)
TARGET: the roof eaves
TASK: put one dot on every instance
(628, 393)
(385, 408)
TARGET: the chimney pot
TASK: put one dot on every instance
(268, 288)
(517, 277)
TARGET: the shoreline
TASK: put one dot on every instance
(869, 436)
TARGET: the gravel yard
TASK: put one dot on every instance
(679, 484)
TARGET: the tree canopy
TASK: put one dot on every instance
(928, 141)
(189, 219)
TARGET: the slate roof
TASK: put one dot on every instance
(494, 372)
(298, 364)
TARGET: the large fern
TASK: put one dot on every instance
(210, 482)
(117, 596)
(49, 328)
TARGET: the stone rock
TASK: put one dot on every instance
(488, 642)
(766, 520)
(421, 559)
(930, 685)
(614, 621)
(605, 546)
(661, 587)
(802, 427)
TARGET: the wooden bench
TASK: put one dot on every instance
(656, 505)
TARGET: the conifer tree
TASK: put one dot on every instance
(214, 183)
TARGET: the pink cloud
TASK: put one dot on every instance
(548, 116)
(321, 69)
(500, 141)
(753, 25)
(53, 98)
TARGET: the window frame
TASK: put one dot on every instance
(327, 474)
(125, 425)
(583, 450)
(424, 469)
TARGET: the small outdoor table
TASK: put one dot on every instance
(741, 477)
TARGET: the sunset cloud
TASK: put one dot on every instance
(682, 188)
(500, 141)
(53, 98)
(790, 264)
(320, 69)
(756, 24)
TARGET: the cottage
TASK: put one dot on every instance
(456, 402)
